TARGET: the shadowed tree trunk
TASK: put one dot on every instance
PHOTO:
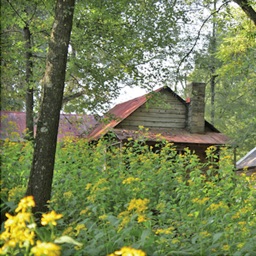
(40, 180)
(29, 91)
(248, 9)
(213, 46)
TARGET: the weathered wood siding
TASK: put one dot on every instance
(161, 113)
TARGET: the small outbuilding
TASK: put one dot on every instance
(247, 164)
(163, 114)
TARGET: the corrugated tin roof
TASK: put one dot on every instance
(249, 160)
(123, 110)
(70, 124)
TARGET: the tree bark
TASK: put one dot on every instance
(29, 90)
(247, 8)
(41, 175)
(213, 46)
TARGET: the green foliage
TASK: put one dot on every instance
(16, 15)
(162, 202)
(110, 43)
(16, 158)
(235, 91)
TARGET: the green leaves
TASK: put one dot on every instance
(67, 239)
(111, 197)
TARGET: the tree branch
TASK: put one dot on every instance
(198, 37)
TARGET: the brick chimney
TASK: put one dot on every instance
(196, 108)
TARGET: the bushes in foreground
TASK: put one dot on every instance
(161, 202)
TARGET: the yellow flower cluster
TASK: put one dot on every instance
(140, 205)
(200, 201)
(165, 231)
(128, 251)
(43, 248)
(20, 232)
(215, 207)
(80, 227)
(130, 180)
(204, 234)
(125, 219)
(161, 207)
(226, 247)
(137, 205)
(67, 195)
(50, 218)
(17, 232)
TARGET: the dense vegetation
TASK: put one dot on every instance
(163, 203)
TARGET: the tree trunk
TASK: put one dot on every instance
(247, 8)
(213, 46)
(40, 180)
(29, 90)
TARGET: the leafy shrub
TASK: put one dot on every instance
(163, 203)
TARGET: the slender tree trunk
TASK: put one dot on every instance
(40, 180)
(213, 64)
(29, 90)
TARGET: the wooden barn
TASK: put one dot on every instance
(164, 112)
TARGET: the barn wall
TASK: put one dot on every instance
(164, 114)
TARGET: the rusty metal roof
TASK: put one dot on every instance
(13, 125)
(116, 115)
(174, 135)
(123, 110)
(248, 161)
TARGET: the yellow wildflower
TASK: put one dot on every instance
(80, 227)
(50, 218)
(68, 194)
(83, 212)
(125, 219)
(161, 207)
(67, 231)
(140, 205)
(25, 203)
(46, 249)
(130, 180)
(236, 216)
(200, 201)
(215, 207)
(128, 251)
(175, 241)
(240, 245)
(88, 186)
(141, 218)
(225, 247)
(103, 217)
(165, 231)
(17, 233)
(204, 234)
